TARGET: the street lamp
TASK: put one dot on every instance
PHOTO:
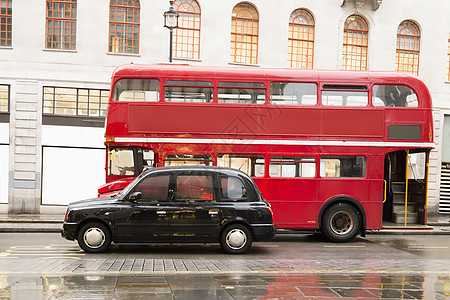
(171, 22)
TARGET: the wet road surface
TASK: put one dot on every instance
(44, 266)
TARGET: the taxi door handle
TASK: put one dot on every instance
(213, 213)
(161, 212)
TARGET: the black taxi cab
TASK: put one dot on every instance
(175, 205)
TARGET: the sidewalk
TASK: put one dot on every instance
(53, 223)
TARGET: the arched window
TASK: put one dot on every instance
(186, 43)
(244, 34)
(408, 48)
(5, 23)
(354, 54)
(301, 39)
(124, 23)
(61, 24)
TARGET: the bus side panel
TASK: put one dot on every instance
(330, 188)
(293, 201)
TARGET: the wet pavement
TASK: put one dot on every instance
(192, 287)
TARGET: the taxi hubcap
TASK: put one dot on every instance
(94, 237)
(236, 239)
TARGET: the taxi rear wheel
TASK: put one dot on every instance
(94, 237)
(236, 239)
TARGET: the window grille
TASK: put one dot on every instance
(244, 34)
(124, 26)
(301, 40)
(61, 24)
(354, 56)
(186, 43)
(408, 48)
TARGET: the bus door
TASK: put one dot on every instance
(405, 194)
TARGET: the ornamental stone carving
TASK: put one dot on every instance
(359, 4)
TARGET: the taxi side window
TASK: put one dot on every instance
(154, 188)
(233, 189)
(194, 187)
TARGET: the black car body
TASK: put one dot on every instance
(175, 204)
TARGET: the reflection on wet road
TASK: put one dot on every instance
(294, 286)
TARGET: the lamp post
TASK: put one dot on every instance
(171, 22)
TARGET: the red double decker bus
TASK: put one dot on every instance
(332, 151)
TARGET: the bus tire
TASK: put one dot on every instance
(94, 237)
(235, 239)
(341, 223)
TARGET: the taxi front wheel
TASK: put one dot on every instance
(94, 237)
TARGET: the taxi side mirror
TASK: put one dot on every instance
(134, 197)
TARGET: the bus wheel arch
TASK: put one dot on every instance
(341, 219)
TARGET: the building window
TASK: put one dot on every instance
(354, 56)
(301, 40)
(124, 23)
(75, 101)
(244, 34)
(61, 24)
(4, 98)
(448, 60)
(186, 42)
(5, 23)
(408, 48)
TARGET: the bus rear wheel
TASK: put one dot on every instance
(341, 223)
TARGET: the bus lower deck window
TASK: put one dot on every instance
(343, 166)
(292, 166)
(187, 159)
(252, 165)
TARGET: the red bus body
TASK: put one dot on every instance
(314, 131)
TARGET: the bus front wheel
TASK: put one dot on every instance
(341, 223)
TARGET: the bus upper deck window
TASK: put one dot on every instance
(136, 90)
(293, 93)
(242, 92)
(188, 91)
(345, 95)
(394, 96)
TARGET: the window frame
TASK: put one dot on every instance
(8, 102)
(7, 40)
(297, 164)
(122, 47)
(77, 102)
(345, 89)
(191, 34)
(251, 21)
(322, 172)
(303, 20)
(60, 43)
(352, 60)
(402, 67)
